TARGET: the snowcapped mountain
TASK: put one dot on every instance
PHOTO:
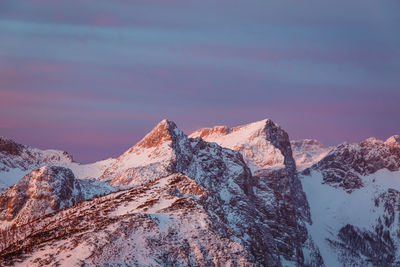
(241, 196)
(346, 163)
(249, 139)
(161, 152)
(17, 160)
(198, 199)
(259, 153)
(354, 197)
(162, 222)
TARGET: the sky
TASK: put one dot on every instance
(92, 77)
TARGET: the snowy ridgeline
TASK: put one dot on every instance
(220, 196)
(249, 139)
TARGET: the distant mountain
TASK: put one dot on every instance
(306, 152)
(17, 160)
(241, 196)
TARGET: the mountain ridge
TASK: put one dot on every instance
(260, 199)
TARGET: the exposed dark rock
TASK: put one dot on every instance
(344, 165)
(43, 191)
(9, 147)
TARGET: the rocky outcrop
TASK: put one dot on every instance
(267, 141)
(393, 141)
(39, 193)
(344, 165)
(9, 147)
(280, 139)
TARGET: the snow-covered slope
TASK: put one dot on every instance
(161, 223)
(161, 152)
(18, 160)
(259, 153)
(354, 198)
(170, 221)
(249, 139)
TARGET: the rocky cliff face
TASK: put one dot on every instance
(280, 139)
(346, 163)
(9, 147)
(276, 180)
(267, 141)
(39, 193)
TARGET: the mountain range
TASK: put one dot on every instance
(241, 196)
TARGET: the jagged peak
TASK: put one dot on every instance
(393, 141)
(164, 131)
(262, 143)
(9, 146)
(166, 123)
(278, 137)
(256, 124)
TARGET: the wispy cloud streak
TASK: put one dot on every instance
(74, 69)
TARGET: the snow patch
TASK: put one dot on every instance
(333, 208)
